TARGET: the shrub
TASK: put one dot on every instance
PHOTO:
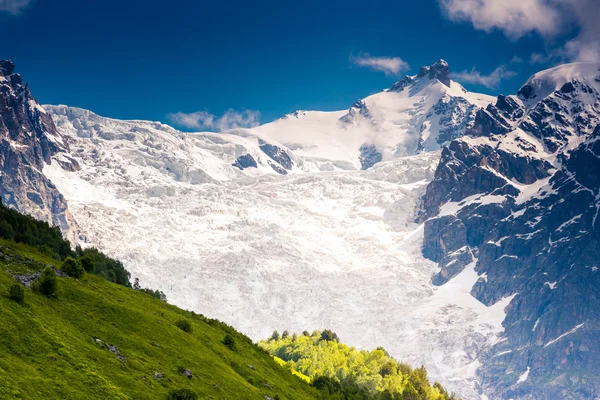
(182, 394)
(72, 267)
(87, 264)
(17, 292)
(184, 325)
(47, 282)
(229, 341)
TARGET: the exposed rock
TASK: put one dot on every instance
(245, 161)
(369, 156)
(28, 141)
(278, 155)
(187, 373)
(439, 71)
(158, 375)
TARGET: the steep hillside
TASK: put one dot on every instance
(99, 340)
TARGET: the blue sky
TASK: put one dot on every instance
(147, 59)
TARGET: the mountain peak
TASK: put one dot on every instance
(7, 67)
(440, 71)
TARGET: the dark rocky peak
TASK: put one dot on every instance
(402, 83)
(28, 141)
(509, 107)
(439, 71)
(7, 67)
(527, 92)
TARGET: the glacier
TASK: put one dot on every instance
(315, 244)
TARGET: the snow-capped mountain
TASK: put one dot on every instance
(455, 229)
(519, 198)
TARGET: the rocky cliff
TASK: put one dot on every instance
(28, 140)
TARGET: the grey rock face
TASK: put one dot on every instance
(369, 156)
(28, 140)
(520, 194)
(281, 158)
(245, 161)
(439, 71)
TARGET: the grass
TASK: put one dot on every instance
(47, 347)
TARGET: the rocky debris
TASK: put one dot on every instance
(216, 387)
(251, 367)
(187, 373)
(369, 156)
(245, 161)
(267, 397)
(158, 375)
(28, 141)
(155, 344)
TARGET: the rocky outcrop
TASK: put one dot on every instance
(28, 141)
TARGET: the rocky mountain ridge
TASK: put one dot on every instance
(519, 195)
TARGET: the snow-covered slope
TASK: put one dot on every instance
(419, 113)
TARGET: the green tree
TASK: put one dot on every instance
(17, 292)
(87, 264)
(275, 336)
(72, 267)
(330, 336)
(47, 282)
(285, 334)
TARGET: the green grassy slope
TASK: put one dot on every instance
(47, 349)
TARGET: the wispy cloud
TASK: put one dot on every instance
(549, 18)
(490, 81)
(14, 6)
(388, 65)
(204, 120)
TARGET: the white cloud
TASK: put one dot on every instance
(204, 120)
(490, 81)
(14, 6)
(387, 65)
(548, 18)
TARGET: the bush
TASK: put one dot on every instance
(87, 264)
(47, 282)
(184, 325)
(72, 267)
(229, 341)
(17, 292)
(182, 394)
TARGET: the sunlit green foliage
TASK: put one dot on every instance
(347, 373)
